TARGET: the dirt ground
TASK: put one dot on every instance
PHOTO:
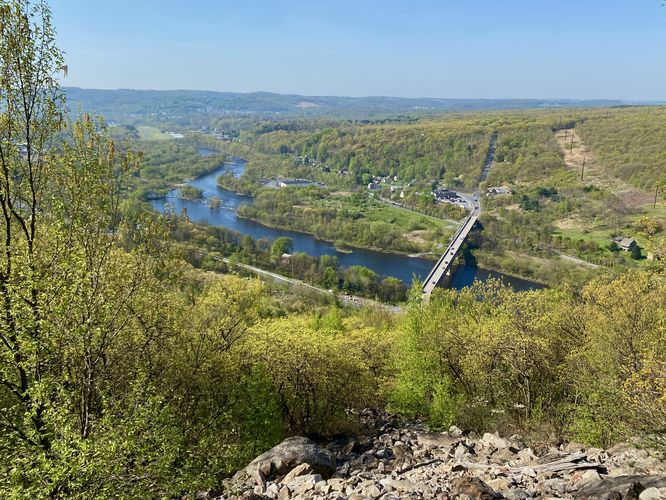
(416, 236)
(595, 174)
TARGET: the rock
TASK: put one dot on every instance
(323, 488)
(500, 484)
(459, 468)
(401, 485)
(651, 493)
(455, 432)
(525, 456)
(473, 487)
(392, 463)
(630, 487)
(285, 493)
(272, 490)
(571, 447)
(301, 485)
(287, 455)
(435, 439)
(588, 476)
(349, 447)
(372, 490)
(299, 470)
(493, 441)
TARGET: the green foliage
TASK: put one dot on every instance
(319, 370)
(281, 246)
(190, 193)
(628, 143)
(592, 366)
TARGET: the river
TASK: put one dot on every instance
(386, 264)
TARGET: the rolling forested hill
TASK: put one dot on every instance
(183, 104)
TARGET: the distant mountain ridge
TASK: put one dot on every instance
(183, 103)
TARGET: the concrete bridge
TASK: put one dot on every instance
(444, 263)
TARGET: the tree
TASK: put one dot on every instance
(281, 246)
(81, 319)
(31, 105)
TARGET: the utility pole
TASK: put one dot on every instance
(656, 193)
(582, 170)
(572, 141)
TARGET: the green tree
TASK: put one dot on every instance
(282, 245)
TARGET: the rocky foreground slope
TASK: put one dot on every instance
(414, 463)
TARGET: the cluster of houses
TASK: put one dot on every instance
(378, 180)
(309, 162)
(223, 136)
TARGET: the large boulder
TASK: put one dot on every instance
(625, 487)
(281, 459)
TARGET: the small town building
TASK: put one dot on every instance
(285, 258)
(625, 243)
(498, 191)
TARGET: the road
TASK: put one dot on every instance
(578, 261)
(445, 261)
(350, 300)
(474, 206)
(347, 299)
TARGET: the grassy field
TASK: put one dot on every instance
(148, 133)
(414, 226)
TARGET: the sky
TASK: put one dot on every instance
(584, 49)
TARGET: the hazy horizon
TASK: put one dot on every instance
(510, 98)
(422, 49)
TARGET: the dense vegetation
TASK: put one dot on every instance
(628, 142)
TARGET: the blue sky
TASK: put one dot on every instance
(412, 48)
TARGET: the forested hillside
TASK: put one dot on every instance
(629, 144)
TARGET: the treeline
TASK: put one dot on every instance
(421, 151)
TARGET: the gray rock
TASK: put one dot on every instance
(284, 457)
(651, 493)
(630, 487)
(435, 439)
(473, 487)
(493, 441)
(299, 470)
(455, 432)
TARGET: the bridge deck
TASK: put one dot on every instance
(445, 261)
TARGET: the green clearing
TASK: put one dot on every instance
(148, 133)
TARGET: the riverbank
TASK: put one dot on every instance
(351, 246)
